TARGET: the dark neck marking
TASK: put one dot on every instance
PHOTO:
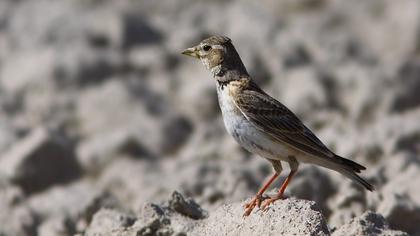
(223, 83)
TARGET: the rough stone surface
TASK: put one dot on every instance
(288, 217)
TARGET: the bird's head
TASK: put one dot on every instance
(217, 54)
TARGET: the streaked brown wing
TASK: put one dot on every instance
(277, 120)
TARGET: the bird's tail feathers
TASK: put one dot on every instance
(355, 177)
(346, 167)
(350, 164)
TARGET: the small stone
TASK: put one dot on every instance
(40, 160)
(186, 207)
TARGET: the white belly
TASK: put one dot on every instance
(246, 134)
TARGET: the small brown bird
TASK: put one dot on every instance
(261, 124)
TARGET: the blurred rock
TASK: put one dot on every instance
(350, 201)
(84, 67)
(176, 132)
(138, 31)
(148, 59)
(406, 93)
(7, 135)
(369, 223)
(27, 69)
(16, 217)
(125, 185)
(98, 151)
(404, 176)
(401, 213)
(77, 202)
(314, 97)
(39, 161)
(194, 82)
(312, 183)
(56, 226)
(20, 220)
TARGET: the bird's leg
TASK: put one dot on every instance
(256, 201)
(293, 169)
(280, 193)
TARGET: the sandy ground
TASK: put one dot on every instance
(105, 129)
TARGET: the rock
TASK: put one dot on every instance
(312, 96)
(16, 218)
(350, 201)
(186, 207)
(138, 31)
(287, 217)
(369, 223)
(176, 130)
(409, 142)
(125, 185)
(81, 68)
(107, 222)
(7, 133)
(40, 160)
(153, 220)
(78, 202)
(28, 69)
(97, 151)
(406, 96)
(148, 59)
(116, 97)
(403, 175)
(194, 82)
(401, 213)
(20, 220)
(57, 226)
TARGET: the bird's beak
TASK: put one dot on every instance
(193, 52)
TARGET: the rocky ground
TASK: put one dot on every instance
(105, 129)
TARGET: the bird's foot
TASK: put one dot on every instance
(255, 201)
(268, 201)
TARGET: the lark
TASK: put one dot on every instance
(263, 125)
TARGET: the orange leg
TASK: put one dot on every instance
(279, 195)
(256, 201)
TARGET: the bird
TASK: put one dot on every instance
(262, 125)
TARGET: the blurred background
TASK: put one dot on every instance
(100, 109)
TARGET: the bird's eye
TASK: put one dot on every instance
(206, 47)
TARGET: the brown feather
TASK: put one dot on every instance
(274, 118)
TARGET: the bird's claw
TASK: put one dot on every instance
(255, 201)
(268, 201)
